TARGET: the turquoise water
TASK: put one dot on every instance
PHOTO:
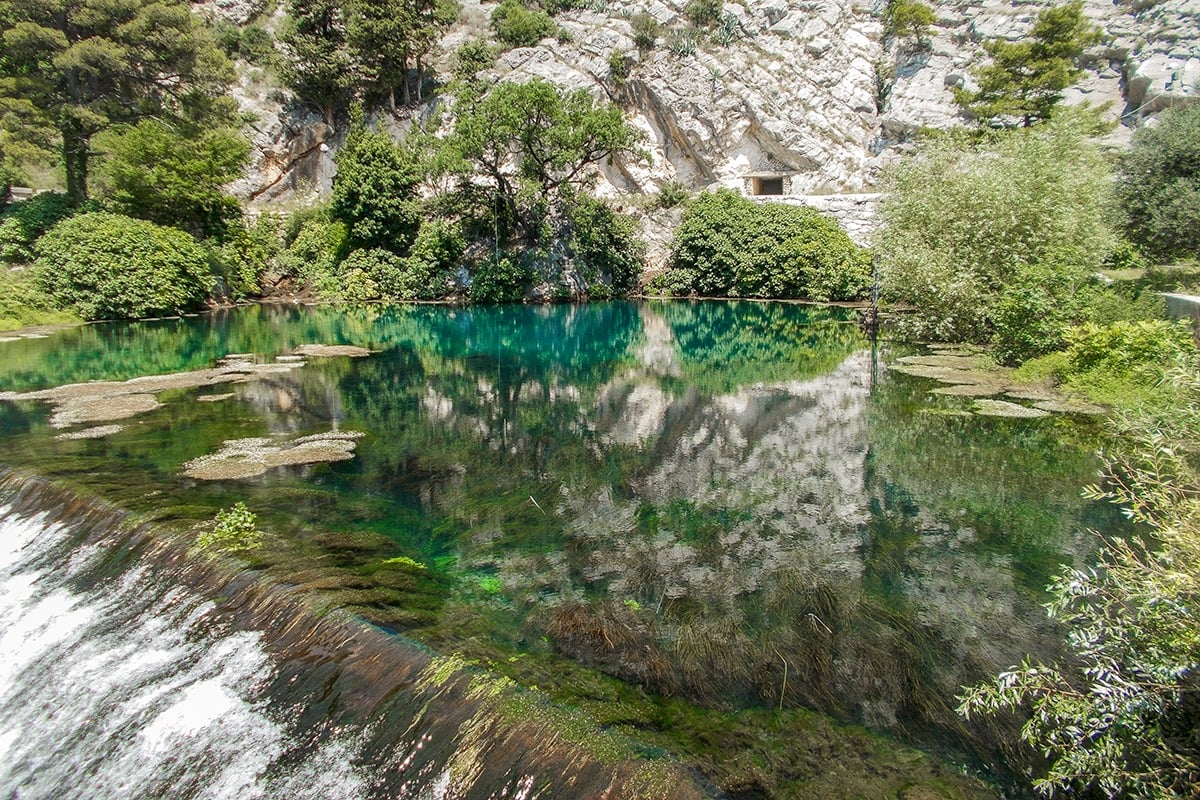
(732, 503)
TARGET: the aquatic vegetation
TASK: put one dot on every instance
(233, 530)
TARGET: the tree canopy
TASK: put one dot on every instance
(1159, 185)
(532, 141)
(318, 67)
(1026, 79)
(79, 66)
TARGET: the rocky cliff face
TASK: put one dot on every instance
(806, 90)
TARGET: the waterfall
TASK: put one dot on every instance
(130, 668)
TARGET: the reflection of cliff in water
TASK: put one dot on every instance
(762, 551)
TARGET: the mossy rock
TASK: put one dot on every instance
(1001, 408)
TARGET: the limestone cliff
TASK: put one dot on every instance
(806, 92)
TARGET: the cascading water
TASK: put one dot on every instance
(120, 678)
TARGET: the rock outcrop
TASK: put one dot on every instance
(807, 91)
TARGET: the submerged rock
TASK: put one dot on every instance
(239, 459)
(98, 432)
(1002, 408)
(331, 351)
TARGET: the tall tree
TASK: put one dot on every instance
(533, 142)
(387, 38)
(1025, 79)
(318, 66)
(1159, 185)
(83, 65)
(374, 191)
(173, 175)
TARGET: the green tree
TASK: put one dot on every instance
(83, 65)
(106, 266)
(389, 37)
(966, 218)
(531, 141)
(374, 191)
(173, 175)
(318, 65)
(908, 19)
(1158, 185)
(1025, 79)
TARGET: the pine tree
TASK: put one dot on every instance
(318, 67)
(80, 66)
(1026, 79)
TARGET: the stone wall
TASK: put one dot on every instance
(856, 213)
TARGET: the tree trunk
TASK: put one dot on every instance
(404, 95)
(76, 149)
(392, 100)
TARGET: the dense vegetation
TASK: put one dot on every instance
(727, 245)
(996, 237)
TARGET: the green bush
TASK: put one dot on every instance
(244, 256)
(21, 224)
(503, 279)
(429, 269)
(471, 58)
(24, 303)
(374, 191)
(964, 217)
(173, 175)
(1159, 185)
(1034, 313)
(314, 255)
(608, 246)
(703, 13)
(619, 67)
(645, 31)
(105, 266)
(736, 247)
(1128, 347)
(300, 217)
(518, 26)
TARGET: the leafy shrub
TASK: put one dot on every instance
(608, 245)
(233, 530)
(374, 191)
(244, 256)
(518, 26)
(501, 280)
(740, 248)
(471, 58)
(645, 31)
(1034, 313)
(21, 224)
(314, 255)
(672, 194)
(964, 217)
(24, 303)
(1159, 185)
(300, 217)
(619, 67)
(431, 263)
(703, 13)
(1128, 347)
(106, 266)
(173, 176)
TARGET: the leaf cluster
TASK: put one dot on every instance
(106, 266)
(1158, 185)
(1122, 717)
(1026, 78)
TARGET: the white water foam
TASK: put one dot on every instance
(127, 691)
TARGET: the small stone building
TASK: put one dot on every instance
(768, 178)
